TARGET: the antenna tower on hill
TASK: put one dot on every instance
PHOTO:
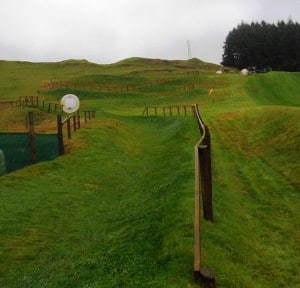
(189, 49)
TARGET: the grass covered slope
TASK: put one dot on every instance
(256, 201)
(255, 136)
(117, 211)
(276, 88)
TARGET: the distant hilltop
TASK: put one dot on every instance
(193, 63)
(139, 62)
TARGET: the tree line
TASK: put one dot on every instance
(263, 45)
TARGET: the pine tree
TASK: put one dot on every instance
(263, 45)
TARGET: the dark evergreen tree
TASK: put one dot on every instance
(263, 45)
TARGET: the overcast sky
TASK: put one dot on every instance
(106, 31)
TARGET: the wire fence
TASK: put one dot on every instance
(170, 110)
(52, 85)
(18, 150)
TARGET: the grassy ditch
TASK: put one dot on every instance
(117, 213)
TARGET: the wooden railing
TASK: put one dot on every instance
(203, 183)
(170, 110)
(73, 122)
(203, 186)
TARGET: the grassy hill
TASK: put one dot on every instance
(117, 209)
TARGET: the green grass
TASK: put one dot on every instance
(117, 210)
(256, 200)
(115, 220)
(277, 88)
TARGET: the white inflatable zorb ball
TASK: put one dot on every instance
(70, 103)
(244, 71)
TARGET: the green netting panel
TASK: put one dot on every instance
(46, 147)
(15, 147)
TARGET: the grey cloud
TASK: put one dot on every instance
(108, 31)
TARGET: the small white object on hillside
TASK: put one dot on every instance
(70, 103)
(244, 72)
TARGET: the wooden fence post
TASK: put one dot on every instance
(32, 144)
(206, 277)
(74, 122)
(197, 243)
(60, 136)
(201, 274)
(78, 119)
(206, 179)
(202, 183)
(69, 128)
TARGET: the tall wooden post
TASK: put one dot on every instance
(206, 179)
(74, 122)
(197, 240)
(69, 128)
(78, 119)
(60, 136)
(202, 183)
(201, 274)
(32, 144)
